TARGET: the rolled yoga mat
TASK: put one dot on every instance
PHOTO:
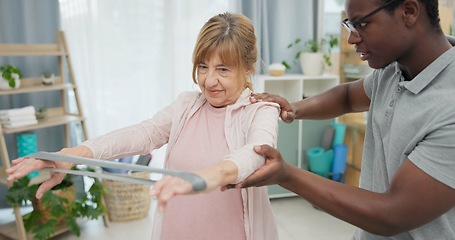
(340, 130)
(339, 162)
(320, 161)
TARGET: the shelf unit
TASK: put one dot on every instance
(295, 138)
(57, 116)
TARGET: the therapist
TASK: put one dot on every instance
(407, 183)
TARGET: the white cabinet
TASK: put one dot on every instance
(296, 138)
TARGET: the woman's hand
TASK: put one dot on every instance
(215, 176)
(167, 188)
(23, 166)
(287, 111)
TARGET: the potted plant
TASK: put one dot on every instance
(313, 55)
(56, 206)
(11, 76)
(41, 113)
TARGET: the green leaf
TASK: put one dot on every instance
(31, 219)
(45, 230)
(20, 193)
(73, 226)
(286, 64)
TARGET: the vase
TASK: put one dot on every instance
(312, 63)
(4, 84)
(48, 80)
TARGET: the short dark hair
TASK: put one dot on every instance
(432, 9)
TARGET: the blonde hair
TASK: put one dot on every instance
(231, 36)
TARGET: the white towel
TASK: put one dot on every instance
(29, 110)
(19, 123)
(7, 119)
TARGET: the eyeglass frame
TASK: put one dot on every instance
(351, 26)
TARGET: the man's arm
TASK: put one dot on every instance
(344, 98)
(413, 199)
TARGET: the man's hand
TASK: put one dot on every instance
(274, 171)
(287, 111)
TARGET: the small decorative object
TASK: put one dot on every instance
(48, 78)
(11, 77)
(313, 55)
(276, 69)
(41, 113)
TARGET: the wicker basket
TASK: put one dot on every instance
(127, 201)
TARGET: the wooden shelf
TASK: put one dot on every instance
(3, 176)
(31, 50)
(55, 116)
(49, 122)
(39, 88)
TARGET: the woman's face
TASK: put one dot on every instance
(220, 84)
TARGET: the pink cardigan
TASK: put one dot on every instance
(246, 125)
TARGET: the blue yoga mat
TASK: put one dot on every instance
(339, 162)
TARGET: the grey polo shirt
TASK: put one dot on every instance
(412, 120)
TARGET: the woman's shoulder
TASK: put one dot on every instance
(189, 95)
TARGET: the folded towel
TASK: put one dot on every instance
(19, 123)
(29, 110)
(7, 119)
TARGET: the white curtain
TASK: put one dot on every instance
(277, 23)
(132, 58)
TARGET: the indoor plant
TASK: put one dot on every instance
(44, 219)
(312, 54)
(12, 75)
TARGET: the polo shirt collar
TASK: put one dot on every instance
(429, 73)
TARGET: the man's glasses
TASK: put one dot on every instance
(352, 26)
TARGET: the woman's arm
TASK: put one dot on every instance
(23, 166)
(137, 139)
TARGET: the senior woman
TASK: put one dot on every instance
(211, 133)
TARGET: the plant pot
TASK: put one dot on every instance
(4, 84)
(48, 80)
(312, 63)
(67, 193)
(41, 114)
